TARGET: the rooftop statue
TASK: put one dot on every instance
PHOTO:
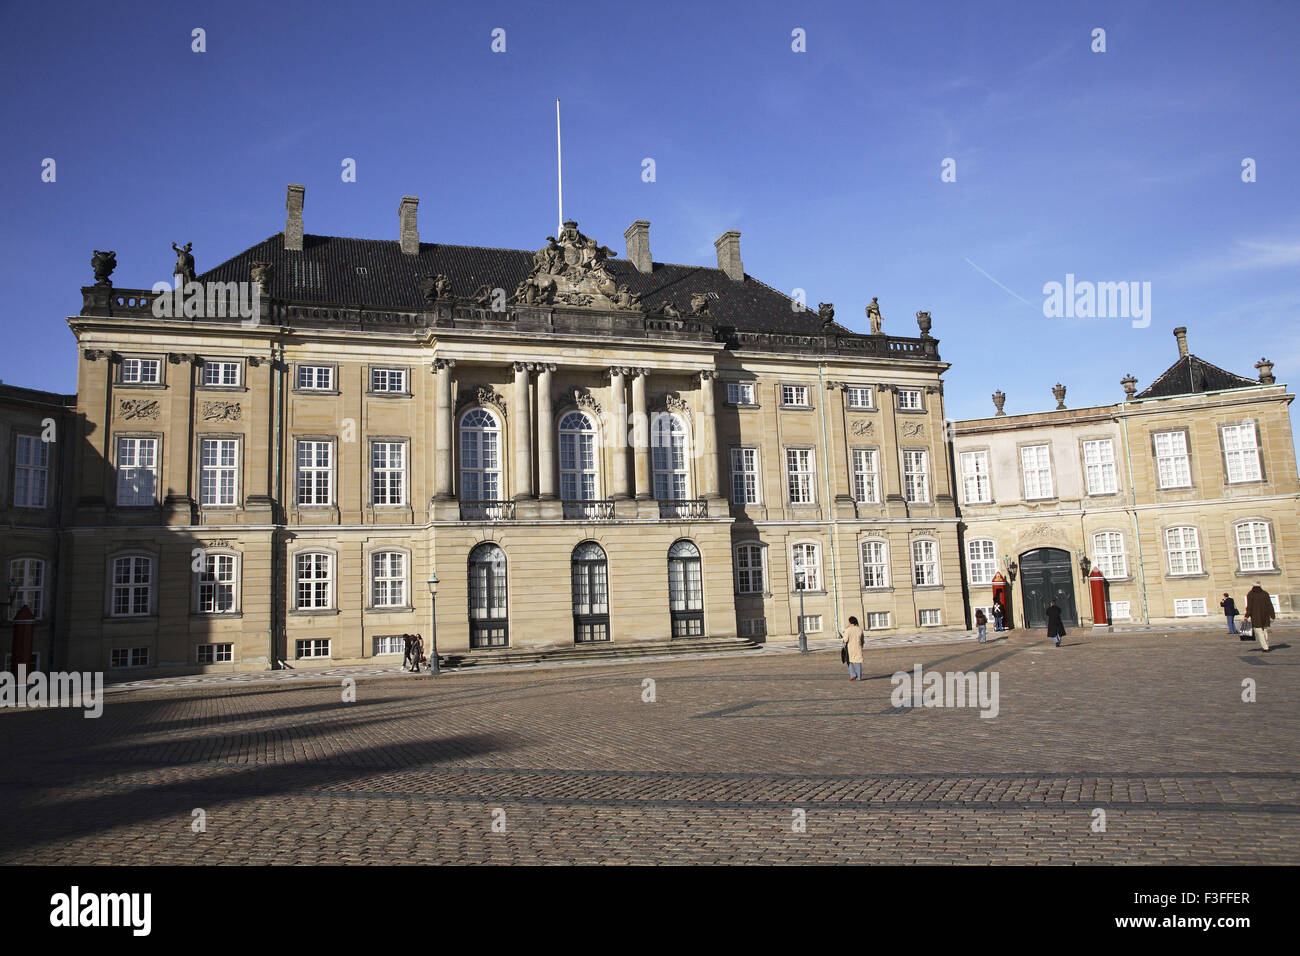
(873, 316)
(572, 270)
(826, 312)
(700, 304)
(103, 263)
(184, 261)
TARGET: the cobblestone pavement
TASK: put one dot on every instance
(720, 767)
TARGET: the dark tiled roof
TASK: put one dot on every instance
(1191, 374)
(35, 396)
(326, 271)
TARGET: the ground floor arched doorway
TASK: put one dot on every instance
(1046, 575)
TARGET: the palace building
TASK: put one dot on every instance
(275, 461)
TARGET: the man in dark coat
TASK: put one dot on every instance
(998, 615)
(1230, 612)
(1259, 611)
(1055, 627)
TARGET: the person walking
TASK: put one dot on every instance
(982, 624)
(1055, 628)
(853, 644)
(1259, 612)
(998, 615)
(1230, 612)
(409, 642)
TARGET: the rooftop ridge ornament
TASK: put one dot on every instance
(572, 270)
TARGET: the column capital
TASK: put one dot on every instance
(639, 372)
(438, 365)
(177, 358)
(620, 370)
(524, 367)
(544, 367)
(834, 386)
(706, 374)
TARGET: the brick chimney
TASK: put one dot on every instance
(728, 246)
(410, 234)
(293, 223)
(1180, 334)
(638, 245)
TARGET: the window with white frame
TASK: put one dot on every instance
(388, 579)
(1241, 452)
(740, 393)
(1173, 466)
(866, 476)
(1254, 546)
(217, 584)
(811, 623)
(137, 472)
(140, 371)
(909, 399)
(668, 459)
(976, 482)
(744, 476)
(215, 653)
(1183, 546)
(806, 566)
(794, 396)
(1099, 466)
(750, 568)
(1118, 610)
(385, 644)
(875, 563)
(388, 472)
(877, 620)
(220, 373)
(388, 380)
(859, 396)
(480, 456)
(578, 478)
(129, 657)
(316, 378)
(132, 586)
(981, 561)
(27, 586)
(218, 471)
(916, 476)
(1108, 554)
(312, 647)
(800, 475)
(313, 580)
(1189, 607)
(925, 563)
(31, 472)
(930, 617)
(315, 472)
(1036, 467)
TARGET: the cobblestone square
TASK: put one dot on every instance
(757, 758)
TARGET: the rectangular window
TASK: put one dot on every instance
(1108, 554)
(859, 397)
(216, 653)
(1173, 467)
(811, 623)
(220, 373)
(31, 472)
(388, 579)
(217, 584)
(916, 476)
(137, 472)
(875, 564)
(313, 647)
(1099, 467)
(132, 586)
(752, 626)
(1254, 546)
(381, 646)
(794, 396)
(1183, 545)
(388, 472)
(316, 378)
(800, 477)
(877, 620)
(1036, 467)
(218, 471)
(1241, 452)
(744, 476)
(27, 586)
(740, 393)
(909, 399)
(866, 476)
(1118, 610)
(129, 657)
(930, 617)
(976, 482)
(806, 566)
(1189, 607)
(315, 472)
(313, 579)
(981, 561)
(388, 380)
(137, 371)
(749, 569)
(925, 563)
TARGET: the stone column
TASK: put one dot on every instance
(641, 435)
(708, 439)
(618, 441)
(523, 434)
(444, 426)
(545, 433)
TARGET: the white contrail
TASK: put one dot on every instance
(1000, 285)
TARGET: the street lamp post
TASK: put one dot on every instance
(800, 581)
(433, 614)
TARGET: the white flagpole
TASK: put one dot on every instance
(559, 168)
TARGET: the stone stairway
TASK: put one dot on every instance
(682, 647)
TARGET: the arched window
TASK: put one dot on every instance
(685, 590)
(1254, 546)
(671, 480)
(590, 594)
(578, 477)
(388, 579)
(132, 585)
(1183, 546)
(806, 566)
(488, 618)
(480, 456)
(313, 580)
(981, 561)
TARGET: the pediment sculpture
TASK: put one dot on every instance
(572, 270)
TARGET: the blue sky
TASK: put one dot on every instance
(1117, 166)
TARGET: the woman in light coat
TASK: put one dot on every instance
(853, 643)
